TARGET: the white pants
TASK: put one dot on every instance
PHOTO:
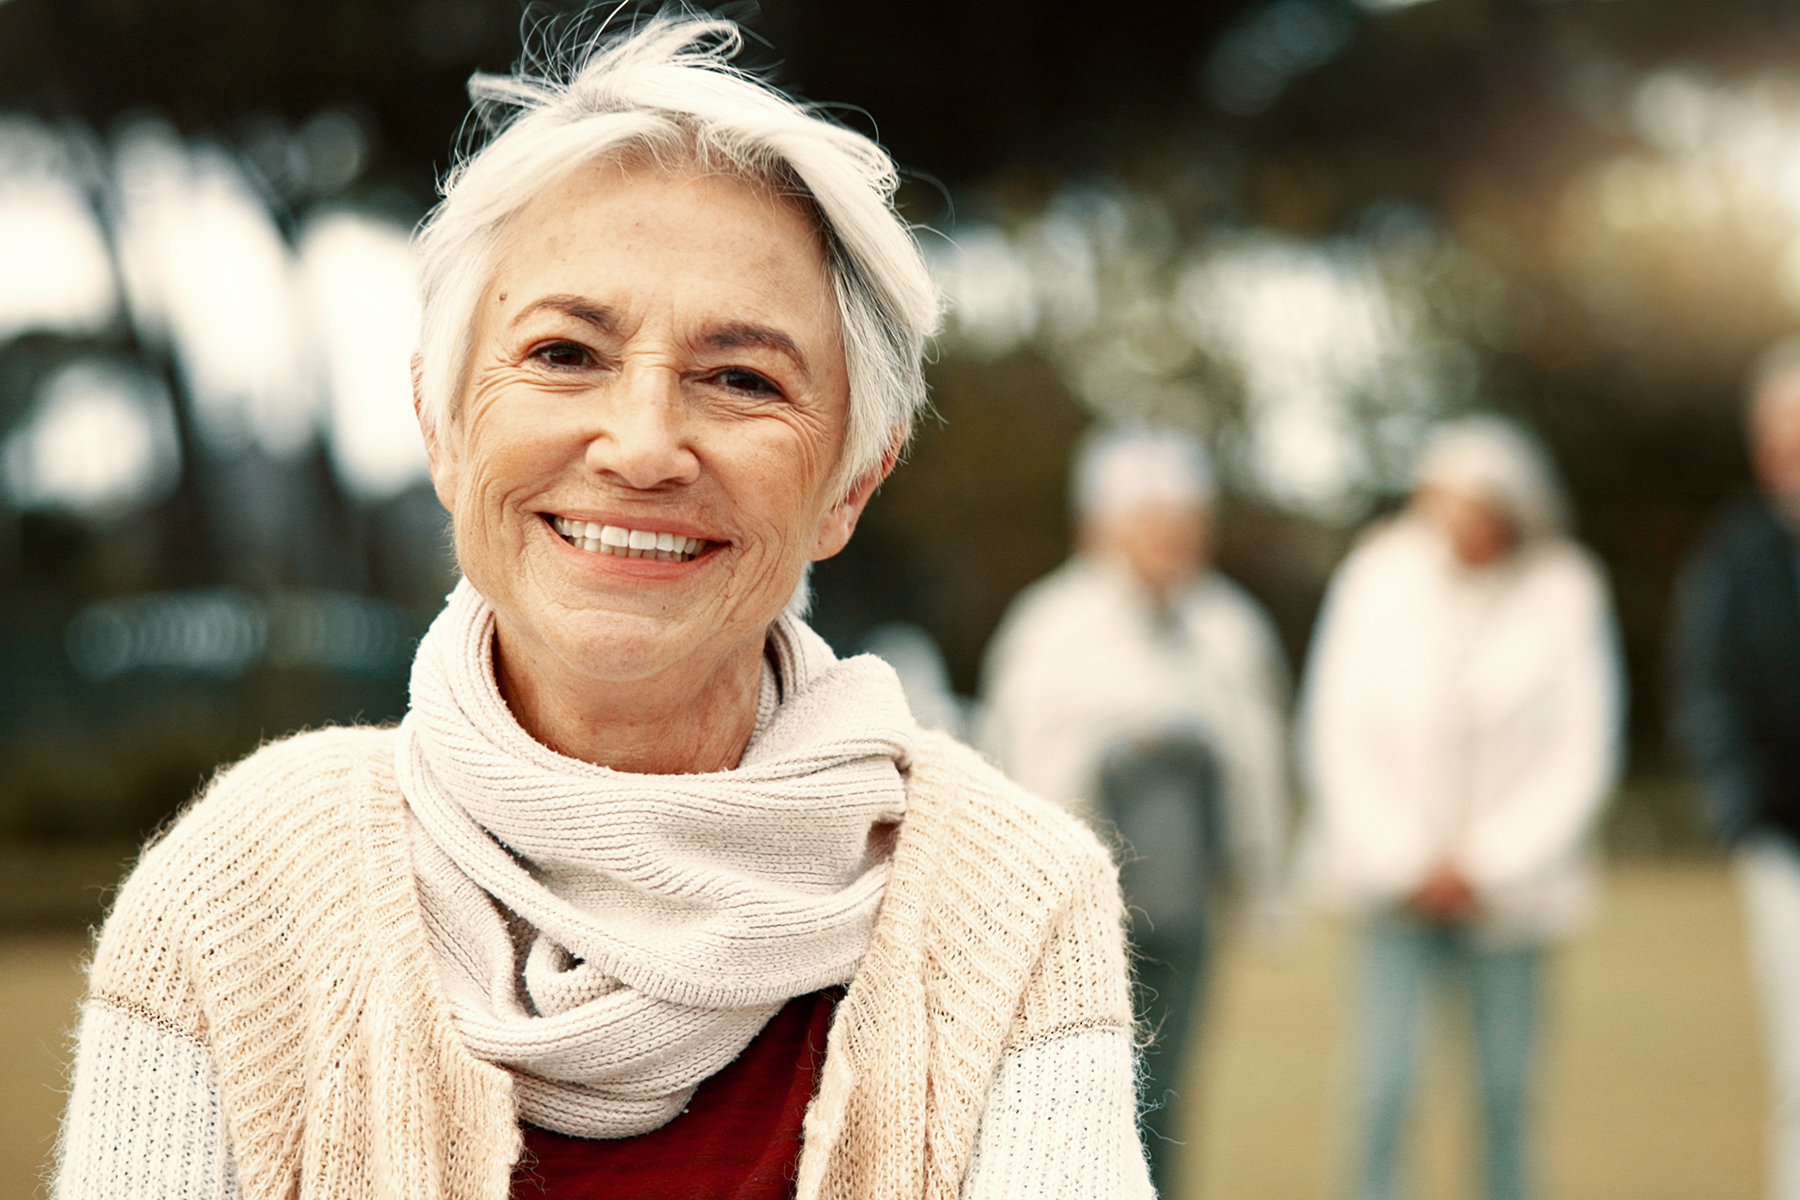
(1768, 876)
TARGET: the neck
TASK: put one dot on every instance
(678, 723)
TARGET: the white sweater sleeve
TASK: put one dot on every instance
(1061, 1124)
(145, 1119)
(1369, 840)
(1564, 752)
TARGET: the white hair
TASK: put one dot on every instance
(1119, 470)
(667, 91)
(1495, 460)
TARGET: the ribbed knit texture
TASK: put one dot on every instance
(1028, 1148)
(1002, 926)
(616, 938)
(277, 925)
(151, 1123)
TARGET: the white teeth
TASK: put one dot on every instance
(631, 543)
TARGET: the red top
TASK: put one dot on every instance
(738, 1139)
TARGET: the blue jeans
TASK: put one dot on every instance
(1406, 958)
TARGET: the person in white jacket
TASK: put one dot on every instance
(1139, 687)
(1460, 732)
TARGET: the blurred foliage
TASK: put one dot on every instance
(1561, 208)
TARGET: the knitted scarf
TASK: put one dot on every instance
(614, 939)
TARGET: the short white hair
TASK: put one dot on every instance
(666, 90)
(1495, 460)
(1119, 470)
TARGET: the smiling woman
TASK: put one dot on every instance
(649, 894)
(657, 353)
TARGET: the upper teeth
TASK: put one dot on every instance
(633, 543)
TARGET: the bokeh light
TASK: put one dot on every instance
(101, 439)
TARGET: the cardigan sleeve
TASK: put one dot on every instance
(1061, 1117)
(1060, 1123)
(144, 1117)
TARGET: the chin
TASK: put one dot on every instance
(626, 646)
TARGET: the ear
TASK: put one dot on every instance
(840, 519)
(441, 459)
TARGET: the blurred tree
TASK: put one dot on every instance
(1592, 267)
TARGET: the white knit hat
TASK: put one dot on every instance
(1498, 461)
(1120, 470)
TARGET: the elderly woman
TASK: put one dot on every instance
(1461, 731)
(649, 894)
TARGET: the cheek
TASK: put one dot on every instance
(785, 475)
(789, 504)
(503, 457)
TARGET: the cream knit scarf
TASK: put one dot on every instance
(613, 939)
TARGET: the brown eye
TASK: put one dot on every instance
(742, 379)
(564, 355)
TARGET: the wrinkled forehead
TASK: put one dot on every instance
(619, 208)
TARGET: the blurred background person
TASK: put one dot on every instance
(1460, 727)
(1737, 694)
(1139, 686)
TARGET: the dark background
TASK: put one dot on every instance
(1481, 117)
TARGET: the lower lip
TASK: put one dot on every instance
(636, 568)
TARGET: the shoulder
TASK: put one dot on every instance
(1055, 600)
(313, 780)
(1391, 566)
(971, 815)
(1404, 537)
(1568, 576)
(1218, 599)
(277, 834)
(1744, 535)
(1398, 544)
(987, 873)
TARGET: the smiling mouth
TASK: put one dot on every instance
(627, 543)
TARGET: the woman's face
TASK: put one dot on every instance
(1775, 439)
(1163, 545)
(657, 359)
(1479, 531)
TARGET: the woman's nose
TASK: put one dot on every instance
(644, 439)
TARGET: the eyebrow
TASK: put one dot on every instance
(582, 309)
(727, 337)
(731, 337)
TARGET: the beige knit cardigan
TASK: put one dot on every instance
(277, 925)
